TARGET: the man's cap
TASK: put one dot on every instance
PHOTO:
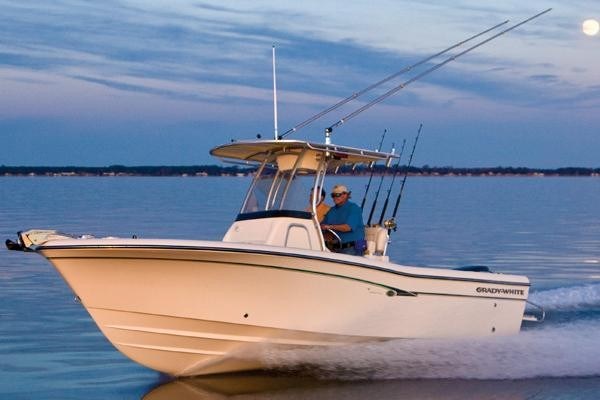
(340, 189)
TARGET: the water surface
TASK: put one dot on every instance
(545, 228)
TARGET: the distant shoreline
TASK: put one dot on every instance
(215, 170)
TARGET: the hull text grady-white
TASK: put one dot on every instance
(188, 307)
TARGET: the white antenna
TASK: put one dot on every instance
(276, 133)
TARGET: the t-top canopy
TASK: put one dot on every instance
(259, 150)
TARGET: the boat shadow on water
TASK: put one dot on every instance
(265, 385)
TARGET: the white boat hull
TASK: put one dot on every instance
(199, 307)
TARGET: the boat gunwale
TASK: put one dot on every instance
(247, 248)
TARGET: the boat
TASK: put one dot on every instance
(189, 307)
(195, 307)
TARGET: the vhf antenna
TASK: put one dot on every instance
(275, 130)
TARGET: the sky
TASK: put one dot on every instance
(151, 82)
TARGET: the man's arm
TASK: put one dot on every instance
(337, 227)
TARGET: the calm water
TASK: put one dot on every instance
(546, 228)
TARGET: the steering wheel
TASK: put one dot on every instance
(332, 240)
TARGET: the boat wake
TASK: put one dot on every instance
(571, 298)
(565, 349)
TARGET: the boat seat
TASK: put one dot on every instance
(377, 238)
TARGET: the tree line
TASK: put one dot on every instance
(217, 170)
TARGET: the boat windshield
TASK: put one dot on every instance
(273, 189)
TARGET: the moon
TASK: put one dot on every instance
(590, 27)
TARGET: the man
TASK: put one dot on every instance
(345, 219)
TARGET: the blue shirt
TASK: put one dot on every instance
(348, 213)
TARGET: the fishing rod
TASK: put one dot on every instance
(387, 79)
(428, 71)
(391, 223)
(362, 204)
(387, 198)
(379, 188)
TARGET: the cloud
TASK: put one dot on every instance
(197, 51)
(546, 78)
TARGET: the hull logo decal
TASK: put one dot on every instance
(491, 290)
